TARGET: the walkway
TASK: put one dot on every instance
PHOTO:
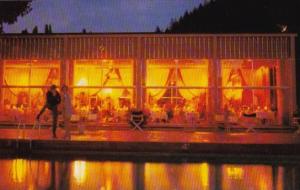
(161, 142)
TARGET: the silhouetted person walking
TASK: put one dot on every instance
(52, 100)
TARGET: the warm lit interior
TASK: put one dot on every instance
(103, 88)
(249, 86)
(176, 90)
(25, 86)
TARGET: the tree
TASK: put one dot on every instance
(84, 31)
(46, 29)
(35, 30)
(25, 31)
(158, 30)
(50, 29)
(11, 10)
(233, 16)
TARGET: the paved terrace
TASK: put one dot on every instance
(161, 143)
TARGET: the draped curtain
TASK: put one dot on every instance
(240, 73)
(193, 77)
(26, 75)
(156, 77)
(159, 74)
(102, 75)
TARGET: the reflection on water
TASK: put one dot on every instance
(44, 174)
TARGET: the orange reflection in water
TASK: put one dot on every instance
(77, 175)
(79, 171)
(19, 168)
(256, 177)
(177, 176)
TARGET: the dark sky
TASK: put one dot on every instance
(102, 15)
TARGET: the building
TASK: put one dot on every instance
(177, 79)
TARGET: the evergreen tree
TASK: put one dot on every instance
(25, 31)
(35, 30)
(158, 30)
(50, 29)
(84, 31)
(46, 29)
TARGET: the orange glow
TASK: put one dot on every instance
(204, 171)
(79, 171)
(82, 82)
(107, 91)
(19, 170)
(239, 177)
(235, 172)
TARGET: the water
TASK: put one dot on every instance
(25, 174)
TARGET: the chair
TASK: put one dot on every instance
(137, 120)
(20, 119)
(37, 125)
(221, 122)
(249, 121)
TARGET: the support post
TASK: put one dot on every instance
(292, 81)
(1, 83)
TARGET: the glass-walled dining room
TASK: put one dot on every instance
(25, 84)
(252, 87)
(176, 91)
(184, 92)
(103, 90)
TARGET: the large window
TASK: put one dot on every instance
(176, 91)
(25, 86)
(251, 86)
(104, 89)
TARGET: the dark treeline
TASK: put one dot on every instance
(234, 16)
(243, 16)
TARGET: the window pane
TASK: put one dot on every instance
(176, 105)
(103, 73)
(25, 102)
(181, 73)
(171, 101)
(236, 73)
(44, 73)
(109, 104)
(16, 75)
(26, 73)
(259, 101)
(240, 73)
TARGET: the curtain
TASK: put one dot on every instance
(236, 73)
(16, 75)
(156, 76)
(193, 77)
(102, 74)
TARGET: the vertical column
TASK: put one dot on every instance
(280, 92)
(1, 83)
(292, 81)
(139, 83)
(70, 76)
(218, 85)
(65, 72)
(211, 108)
(62, 72)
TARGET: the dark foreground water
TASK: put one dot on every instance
(25, 174)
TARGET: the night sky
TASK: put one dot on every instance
(102, 15)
